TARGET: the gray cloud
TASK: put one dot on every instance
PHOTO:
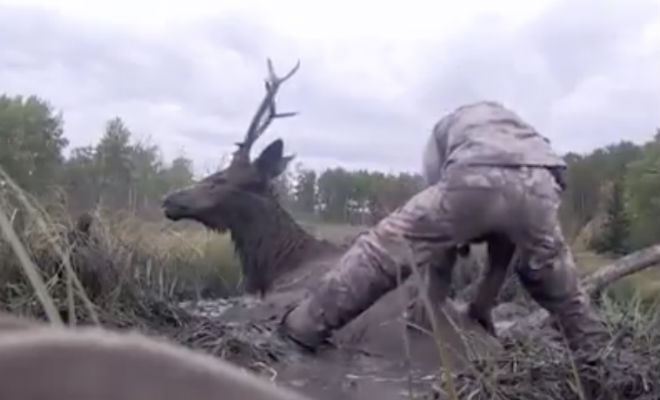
(581, 72)
(567, 72)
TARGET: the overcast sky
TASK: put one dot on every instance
(373, 80)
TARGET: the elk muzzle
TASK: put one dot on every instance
(173, 208)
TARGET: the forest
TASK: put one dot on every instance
(611, 204)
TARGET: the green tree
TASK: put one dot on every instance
(589, 176)
(305, 190)
(80, 178)
(114, 159)
(178, 175)
(582, 192)
(334, 191)
(615, 237)
(146, 164)
(31, 142)
(363, 196)
(643, 192)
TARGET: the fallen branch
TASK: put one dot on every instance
(601, 278)
(630, 264)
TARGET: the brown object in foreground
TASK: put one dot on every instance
(47, 363)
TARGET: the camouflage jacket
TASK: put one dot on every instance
(485, 133)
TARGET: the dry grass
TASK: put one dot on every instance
(125, 273)
(538, 366)
(180, 262)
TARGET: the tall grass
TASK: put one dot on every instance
(131, 272)
(537, 366)
(188, 262)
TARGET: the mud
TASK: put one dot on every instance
(369, 358)
(345, 374)
(533, 364)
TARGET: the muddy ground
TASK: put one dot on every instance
(531, 365)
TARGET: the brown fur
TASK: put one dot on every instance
(43, 362)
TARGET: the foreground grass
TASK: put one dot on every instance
(182, 262)
(537, 365)
(122, 272)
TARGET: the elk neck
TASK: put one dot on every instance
(270, 244)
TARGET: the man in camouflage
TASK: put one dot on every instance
(487, 172)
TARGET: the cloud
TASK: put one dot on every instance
(571, 72)
(370, 87)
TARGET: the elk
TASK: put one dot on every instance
(270, 244)
(40, 362)
(280, 260)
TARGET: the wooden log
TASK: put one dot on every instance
(630, 264)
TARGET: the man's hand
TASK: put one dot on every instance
(483, 317)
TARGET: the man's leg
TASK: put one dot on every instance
(548, 271)
(500, 254)
(555, 286)
(419, 232)
(437, 286)
(466, 204)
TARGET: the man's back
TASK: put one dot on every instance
(485, 133)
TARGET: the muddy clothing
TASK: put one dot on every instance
(487, 172)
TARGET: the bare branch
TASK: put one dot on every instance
(266, 112)
(623, 267)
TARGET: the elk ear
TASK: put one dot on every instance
(271, 161)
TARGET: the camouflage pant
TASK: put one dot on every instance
(468, 202)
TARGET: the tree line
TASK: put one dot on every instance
(612, 201)
(338, 195)
(116, 173)
(613, 196)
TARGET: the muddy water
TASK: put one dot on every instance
(371, 361)
(350, 375)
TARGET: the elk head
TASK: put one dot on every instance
(228, 197)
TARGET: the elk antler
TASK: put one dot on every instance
(265, 114)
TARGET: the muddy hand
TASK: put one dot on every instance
(483, 317)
